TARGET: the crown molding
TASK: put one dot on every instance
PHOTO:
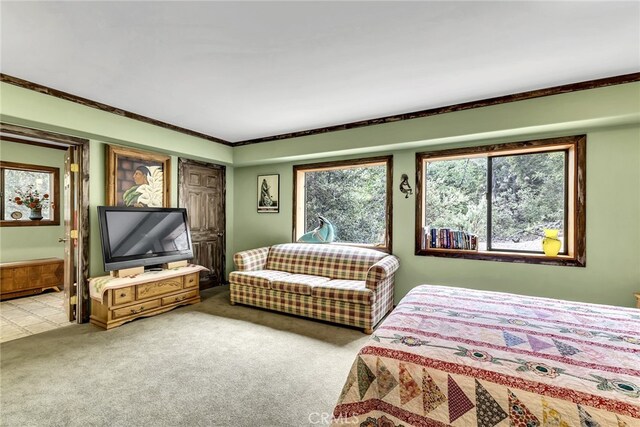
(538, 93)
(104, 107)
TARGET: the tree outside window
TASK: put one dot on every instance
(353, 195)
(495, 202)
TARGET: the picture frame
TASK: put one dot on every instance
(137, 178)
(268, 193)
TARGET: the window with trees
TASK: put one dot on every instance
(354, 195)
(498, 202)
(29, 194)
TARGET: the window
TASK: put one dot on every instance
(497, 202)
(354, 195)
(21, 183)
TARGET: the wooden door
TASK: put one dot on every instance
(69, 240)
(202, 193)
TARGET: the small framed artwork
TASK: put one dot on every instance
(269, 193)
(137, 178)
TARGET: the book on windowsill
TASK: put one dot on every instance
(446, 238)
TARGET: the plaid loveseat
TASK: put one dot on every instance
(341, 284)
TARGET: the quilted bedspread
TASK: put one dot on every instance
(460, 357)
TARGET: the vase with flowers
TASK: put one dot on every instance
(32, 199)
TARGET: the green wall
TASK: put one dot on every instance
(609, 116)
(28, 108)
(29, 242)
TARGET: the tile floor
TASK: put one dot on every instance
(21, 317)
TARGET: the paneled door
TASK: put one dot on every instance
(202, 193)
(69, 239)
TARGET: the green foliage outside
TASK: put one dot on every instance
(456, 196)
(353, 200)
(528, 196)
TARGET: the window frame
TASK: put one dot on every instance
(54, 191)
(299, 196)
(575, 200)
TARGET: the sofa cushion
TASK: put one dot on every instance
(298, 283)
(354, 291)
(258, 278)
(326, 260)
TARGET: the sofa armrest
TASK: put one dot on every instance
(251, 260)
(382, 269)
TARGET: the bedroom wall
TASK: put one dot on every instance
(28, 242)
(609, 116)
(24, 107)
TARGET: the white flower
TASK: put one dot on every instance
(151, 194)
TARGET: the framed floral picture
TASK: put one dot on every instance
(137, 178)
(269, 193)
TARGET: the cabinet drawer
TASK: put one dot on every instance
(148, 290)
(191, 280)
(136, 309)
(180, 297)
(123, 295)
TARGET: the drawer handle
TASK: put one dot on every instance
(122, 295)
(134, 311)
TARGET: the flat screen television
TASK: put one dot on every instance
(137, 237)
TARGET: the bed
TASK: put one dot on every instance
(460, 357)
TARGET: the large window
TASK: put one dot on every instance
(499, 202)
(29, 194)
(354, 196)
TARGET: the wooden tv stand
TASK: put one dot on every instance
(147, 295)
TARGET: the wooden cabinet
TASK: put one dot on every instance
(30, 277)
(149, 298)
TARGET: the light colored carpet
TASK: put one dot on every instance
(206, 364)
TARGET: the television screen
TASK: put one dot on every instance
(133, 237)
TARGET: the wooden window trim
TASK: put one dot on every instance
(298, 196)
(55, 191)
(576, 199)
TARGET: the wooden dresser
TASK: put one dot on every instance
(148, 298)
(31, 277)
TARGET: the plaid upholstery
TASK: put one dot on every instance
(380, 270)
(383, 300)
(295, 278)
(259, 278)
(334, 261)
(353, 291)
(298, 283)
(358, 315)
(251, 260)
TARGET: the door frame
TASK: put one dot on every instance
(183, 202)
(80, 152)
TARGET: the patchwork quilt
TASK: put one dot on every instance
(460, 357)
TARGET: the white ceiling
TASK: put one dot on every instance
(244, 70)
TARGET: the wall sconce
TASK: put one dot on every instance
(404, 186)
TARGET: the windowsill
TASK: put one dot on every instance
(525, 258)
(359, 245)
(27, 223)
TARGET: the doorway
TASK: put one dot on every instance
(202, 192)
(32, 314)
